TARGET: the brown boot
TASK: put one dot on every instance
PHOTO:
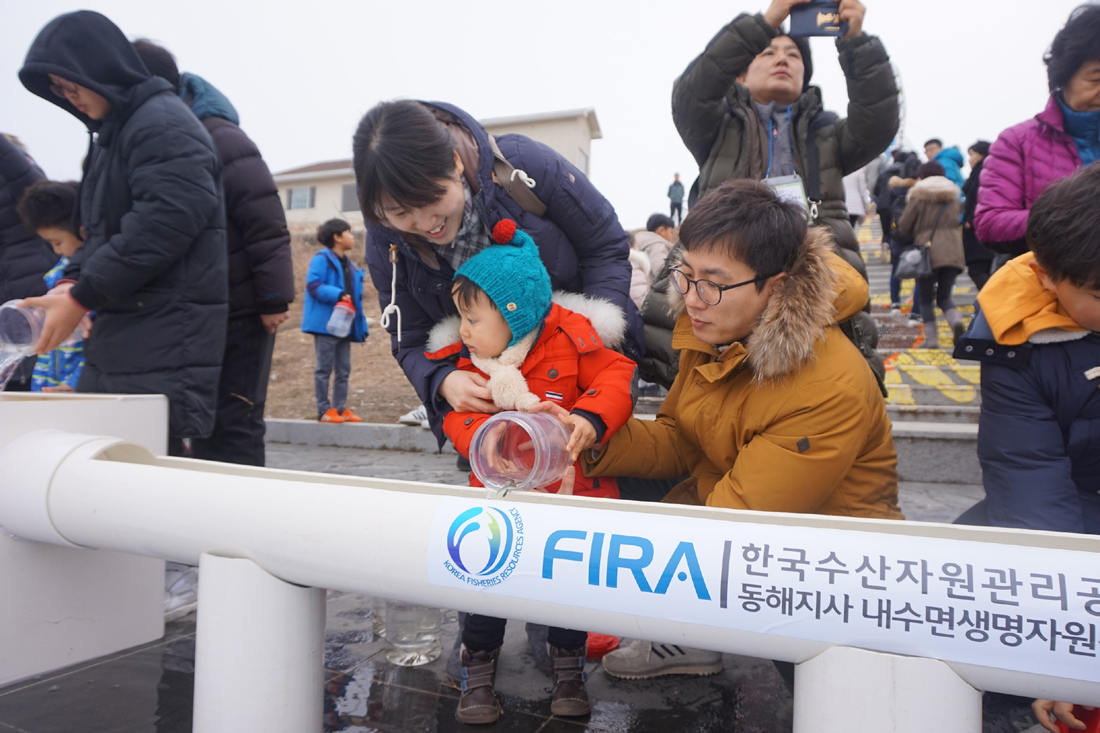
(477, 704)
(570, 697)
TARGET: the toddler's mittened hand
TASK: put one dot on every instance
(552, 407)
(583, 436)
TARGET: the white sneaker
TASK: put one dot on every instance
(181, 587)
(419, 416)
(644, 659)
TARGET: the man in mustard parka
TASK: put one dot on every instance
(773, 408)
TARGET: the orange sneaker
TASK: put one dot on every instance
(350, 416)
(331, 415)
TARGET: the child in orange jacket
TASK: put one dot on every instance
(531, 350)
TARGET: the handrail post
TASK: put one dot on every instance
(845, 689)
(259, 651)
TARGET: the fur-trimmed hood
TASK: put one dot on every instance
(606, 318)
(820, 290)
(937, 189)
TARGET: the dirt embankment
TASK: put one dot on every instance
(378, 390)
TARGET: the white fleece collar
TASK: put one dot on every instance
(506, 381)
(1056, 336)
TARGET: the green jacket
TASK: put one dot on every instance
(716, 120)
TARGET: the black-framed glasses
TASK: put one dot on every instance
(709, 292)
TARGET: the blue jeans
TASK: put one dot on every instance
(332, 353)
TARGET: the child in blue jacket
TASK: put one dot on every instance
(332, 277)
(46, 209)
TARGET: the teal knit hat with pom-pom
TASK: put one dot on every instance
(512, 275)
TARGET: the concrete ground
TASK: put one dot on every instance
(149, 689)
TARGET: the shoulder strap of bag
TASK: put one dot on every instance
(504, 176)
(943, 207)
(813, 160)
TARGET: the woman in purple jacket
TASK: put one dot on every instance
(1056, 142)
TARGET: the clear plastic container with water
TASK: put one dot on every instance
(378, 617)
(20, 328)
(519, 451)
(413, 632)
(339, 323)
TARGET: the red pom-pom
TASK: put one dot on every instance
(504, 231)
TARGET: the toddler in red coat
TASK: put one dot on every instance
(536, 346)
(532, 350)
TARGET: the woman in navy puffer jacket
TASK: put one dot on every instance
(432, 184)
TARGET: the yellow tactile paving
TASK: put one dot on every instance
(972, 374)
(931, 376)
(899, 392)
(932, 357)
(930, 368)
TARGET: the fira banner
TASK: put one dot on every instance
(1028, 609)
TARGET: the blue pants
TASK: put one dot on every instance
(332, 354)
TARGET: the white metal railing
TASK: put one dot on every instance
(884, 619)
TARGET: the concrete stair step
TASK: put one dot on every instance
(933, 413)
(931, 452)
(938, 452)
(931, 377)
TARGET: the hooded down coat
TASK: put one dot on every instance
(1039, 431)
(789, 420)
(590, 380)
(24, 257)
(926, 199)
(153, 262)
(716, 119)
(581, 243)
(1021, 162)
(261, 273)
(952, 161)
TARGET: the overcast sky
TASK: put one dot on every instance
(301, 74)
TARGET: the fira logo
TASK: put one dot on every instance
(681, 564)
(480, 541)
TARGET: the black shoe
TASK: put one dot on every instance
(463, 464)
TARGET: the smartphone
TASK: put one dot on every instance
(817, 18)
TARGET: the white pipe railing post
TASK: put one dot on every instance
(262, 535)
(259, 651)
(845, 689)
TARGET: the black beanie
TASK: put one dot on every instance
(807, 59)
(981, 148)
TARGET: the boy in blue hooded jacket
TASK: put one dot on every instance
(332, 278)
(46, 209)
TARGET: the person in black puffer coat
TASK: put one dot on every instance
(979, 258)
(261, 274)
(24, 257)
(153, 264)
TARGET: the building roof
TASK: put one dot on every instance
(329, 165)
(587, 113)
(328, 168)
